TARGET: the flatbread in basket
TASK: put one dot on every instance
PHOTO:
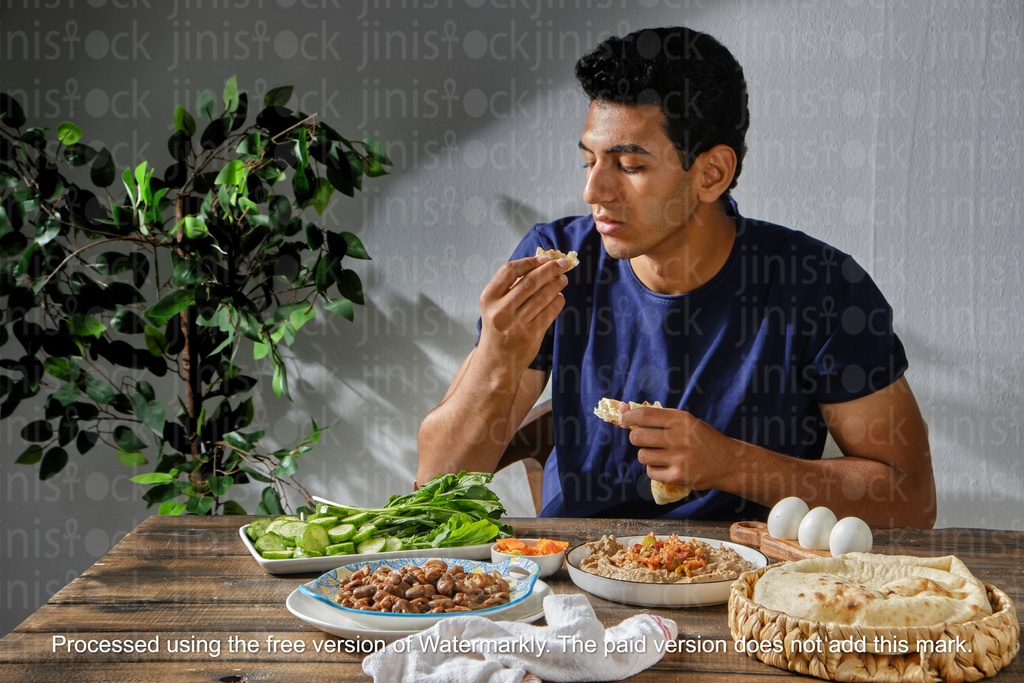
(868, 617)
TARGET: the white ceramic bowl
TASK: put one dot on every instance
(658, 594)
(549, 564)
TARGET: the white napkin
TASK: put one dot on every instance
(574, 646)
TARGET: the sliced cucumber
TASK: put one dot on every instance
(392, 543)
(371, 545)
(258, 527)
(327, 521)
(271, 541)
(314, 539)
(299, 552)
(364, 532)
(342, 532)
(278, 554)
(357, 518)
(346, 548)
(293, 530)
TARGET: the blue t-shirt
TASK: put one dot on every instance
(787, 324)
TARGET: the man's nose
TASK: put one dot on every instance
(599, 187)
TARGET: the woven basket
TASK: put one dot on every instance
(790, 643)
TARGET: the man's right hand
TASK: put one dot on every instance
(517, 307)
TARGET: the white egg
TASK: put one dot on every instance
(815, 528)
(784, 519)
(850, 535)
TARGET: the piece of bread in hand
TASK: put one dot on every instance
(572, 258)
(608, 410)
(667, 493)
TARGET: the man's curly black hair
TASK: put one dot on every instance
(695, 80)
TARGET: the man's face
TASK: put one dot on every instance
(640, 195)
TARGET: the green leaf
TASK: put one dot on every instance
(169, 305)
(62, 368)
(322, 195)
(206, 106)
(287, 467)
(113, 263)
(255, 474)
(349, 286)
(126, 321)
(251, 145)
(195, 227)
(153, 478)
(156, 341)
(376, 150)
(131, 458)
(280, 381)
(68, 133)
(172, 508)
(146, 390)
(355, 246)
(67, 394)
(260, 350)
(342, 307)
(230, 507)
(278, 97)
(150, 411)
(232, 174)
(270, 504)
(99, 391)
(127, 440)
(31, 455)
(219, 485)
(199, 505)
(231, 94)
(85, 326)
(37, 430)
(53, 462)
(183, 121)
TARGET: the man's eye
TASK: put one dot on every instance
(631, 169)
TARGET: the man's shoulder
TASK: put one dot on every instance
(772, 238)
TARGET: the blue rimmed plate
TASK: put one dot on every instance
(521, 573)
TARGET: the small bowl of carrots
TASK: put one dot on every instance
(548, 553)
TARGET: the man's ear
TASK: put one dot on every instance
(716, 168)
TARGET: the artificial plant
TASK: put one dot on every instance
(128, 309)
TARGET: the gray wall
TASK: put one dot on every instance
(891, 129)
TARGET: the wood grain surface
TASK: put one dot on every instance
(186, 579)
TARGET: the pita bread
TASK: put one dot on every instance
(572, 258)
(876, 591)
(608, 410)
(667, 493)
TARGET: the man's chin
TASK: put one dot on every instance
(617, 249)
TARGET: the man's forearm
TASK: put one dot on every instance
(472, 426)
(877, 492)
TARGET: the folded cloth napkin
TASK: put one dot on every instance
(574, 646)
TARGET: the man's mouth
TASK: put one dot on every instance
(606, 225)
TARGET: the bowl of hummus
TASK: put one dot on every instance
(661, 571)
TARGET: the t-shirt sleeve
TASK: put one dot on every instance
(528, 247)
(859, 352)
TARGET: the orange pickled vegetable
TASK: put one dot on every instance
(544, 546)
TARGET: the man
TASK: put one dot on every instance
(755, 338)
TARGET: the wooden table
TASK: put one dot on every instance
(184, 577)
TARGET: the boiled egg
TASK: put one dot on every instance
(850, 535)
(815, 528)
(784, 519)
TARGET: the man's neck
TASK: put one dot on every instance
(701, 250)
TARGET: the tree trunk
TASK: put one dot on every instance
(190, 362)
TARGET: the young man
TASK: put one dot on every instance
(755, 338)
